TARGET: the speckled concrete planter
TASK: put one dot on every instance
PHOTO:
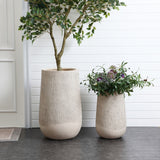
(111, 117)
(60, 115)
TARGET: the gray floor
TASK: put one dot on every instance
(136, 144)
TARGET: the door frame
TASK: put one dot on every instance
(27, 86)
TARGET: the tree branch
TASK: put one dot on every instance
(64, 36)
(77, 20)
(63, 45)
(52, 38)
(68, 11)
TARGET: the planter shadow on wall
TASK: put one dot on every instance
(60, 104)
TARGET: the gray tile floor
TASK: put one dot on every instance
(136, 144)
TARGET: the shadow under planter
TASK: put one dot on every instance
(111, 116)
(60, 115)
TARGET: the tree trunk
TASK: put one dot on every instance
(58, 63)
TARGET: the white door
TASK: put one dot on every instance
(11, 65)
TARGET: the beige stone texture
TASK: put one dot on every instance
(111, 116)
(60, 104)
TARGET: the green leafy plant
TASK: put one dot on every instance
(115, 80)
(45, 14)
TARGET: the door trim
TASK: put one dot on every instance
(27, 86)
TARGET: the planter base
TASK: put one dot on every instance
(110, 134)
(61, 131)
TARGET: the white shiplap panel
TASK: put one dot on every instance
(130, 122)
(132, 99)
(129, 107)
(131, 34)
(155, 74)
(84, 91)
(98, 59)
(130, 115)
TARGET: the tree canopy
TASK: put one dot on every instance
(44, 14)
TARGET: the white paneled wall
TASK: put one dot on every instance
(131, 34)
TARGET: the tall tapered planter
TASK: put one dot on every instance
(60, 115)
(111, 117)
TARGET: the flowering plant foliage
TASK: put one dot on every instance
(115, 80)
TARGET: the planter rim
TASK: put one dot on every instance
(115, 94)
(63, 70)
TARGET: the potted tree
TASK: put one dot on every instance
(60, 105)
(110, 86)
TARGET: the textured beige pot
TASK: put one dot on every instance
(60, 115)
(111, 117)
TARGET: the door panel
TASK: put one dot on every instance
(11, 65)
(7, 86)
(7, 25)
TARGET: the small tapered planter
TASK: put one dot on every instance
(111, 116)
(60, 115)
